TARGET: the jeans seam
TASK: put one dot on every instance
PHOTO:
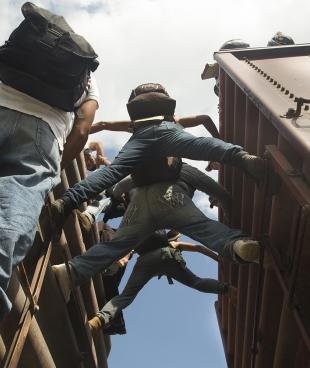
(43, 157)
(13, 129)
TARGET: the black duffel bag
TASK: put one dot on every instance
(46, 59)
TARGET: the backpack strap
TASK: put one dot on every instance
(169, 279)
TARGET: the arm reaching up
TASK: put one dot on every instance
(115, 126)
(78, 136)
(194, 248)
(205, 120)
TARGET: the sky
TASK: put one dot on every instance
(167, 41)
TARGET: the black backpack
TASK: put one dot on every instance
(45, 59)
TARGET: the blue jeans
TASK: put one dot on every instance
(154, 207)
(147, 266)
(29, 167)
(148, 142)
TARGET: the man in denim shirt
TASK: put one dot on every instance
(155, 135)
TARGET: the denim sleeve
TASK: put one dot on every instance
(203, 182)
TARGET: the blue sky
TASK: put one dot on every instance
(167, 41)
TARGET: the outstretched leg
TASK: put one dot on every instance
(139, 277)
(186, 277)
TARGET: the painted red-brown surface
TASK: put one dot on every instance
(259, 91)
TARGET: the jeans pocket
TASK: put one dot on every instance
(171, 198)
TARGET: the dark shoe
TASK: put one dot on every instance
(85, 220)
(247, 249)
(254, 166)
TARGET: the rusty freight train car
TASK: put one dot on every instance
(264, 106)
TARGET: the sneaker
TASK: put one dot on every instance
(247, 249)
(85, 220)
(254, 166)
(63, 280)
(95, 324)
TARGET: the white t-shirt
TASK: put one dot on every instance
(60, 122)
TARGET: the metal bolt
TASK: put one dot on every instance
(287, 92)
(268, 77)
(265, 74)
(271, 79)
(278, 85)
(290, 113)
(275, 82)
(282, 89)
(291, 95)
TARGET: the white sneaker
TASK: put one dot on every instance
(63, 280)
(247, 249)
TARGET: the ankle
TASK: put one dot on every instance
(67, 206)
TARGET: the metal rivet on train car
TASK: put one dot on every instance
(291, 95)
(306, 107)
(287, 92)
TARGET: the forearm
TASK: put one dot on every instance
(75, 142)
(195, 248)
(207, 252)
(211, 127)
(205, 120)
(188, 247)
(116, 126)
(77, 138)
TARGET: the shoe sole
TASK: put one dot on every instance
(57, 277)
(248, 253)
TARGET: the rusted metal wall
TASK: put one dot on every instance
(41, 330)
(264, 107)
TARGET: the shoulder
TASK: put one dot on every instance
(91, 92)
